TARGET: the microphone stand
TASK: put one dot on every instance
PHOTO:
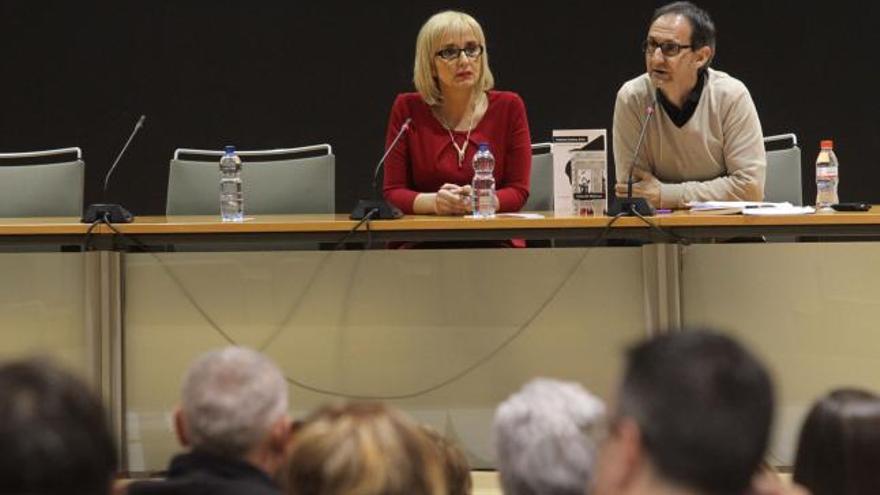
(110, 212)
(630, 206)
(379, 209)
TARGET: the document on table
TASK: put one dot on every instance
(520, 215)
(756, 208)
(786, 209)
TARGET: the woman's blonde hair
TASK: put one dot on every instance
(427, 45)
(456, 466)
(363, 449)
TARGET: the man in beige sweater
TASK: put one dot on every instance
(704, 140)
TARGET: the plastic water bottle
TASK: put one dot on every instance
(826, 175)
(483, 183)
(231, 198)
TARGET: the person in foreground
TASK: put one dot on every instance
(693, 416)
(455, 463)
(54, 437)
(233, 418)
(704, 140)
(546, 438)
(839, 448)
(454, 110)
(363, 448)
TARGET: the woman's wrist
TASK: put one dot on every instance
(425, 204)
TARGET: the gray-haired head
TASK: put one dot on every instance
(546, 438)
(231, 398)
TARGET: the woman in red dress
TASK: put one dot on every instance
(453, 111)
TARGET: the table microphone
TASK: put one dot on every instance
(379, 208)
(629, 206)
(109, 212)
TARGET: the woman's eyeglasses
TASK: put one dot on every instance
(451, 53)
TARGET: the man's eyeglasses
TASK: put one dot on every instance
(667, 48)
(451, 53)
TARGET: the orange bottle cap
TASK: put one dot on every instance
(826, 144)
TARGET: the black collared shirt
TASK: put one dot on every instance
(680, 116)
(198, 473)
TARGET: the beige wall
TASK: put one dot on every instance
(43, 308)
(427, 325)
(810, 310)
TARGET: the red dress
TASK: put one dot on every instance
(425, 159)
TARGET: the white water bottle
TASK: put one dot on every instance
(483, 183)
(826, 176)
(231, 197)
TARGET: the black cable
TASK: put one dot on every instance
(192, 300)
(87, 244)
(607, 228)
(296, 304)
(105, 219)
(176, 281)
(116, 232)
(351, 232)
(670, 235)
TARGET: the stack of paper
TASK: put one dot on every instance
(747, 208)
(785, 209)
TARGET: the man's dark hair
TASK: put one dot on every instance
(839, 446)
(54, 437)
(703, 405)
(702, 27)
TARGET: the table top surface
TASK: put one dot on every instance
(207, 224)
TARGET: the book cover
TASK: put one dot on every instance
(580, 172)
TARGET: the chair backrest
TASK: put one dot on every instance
(286, 185)
(541, 179)
(52, 189)
(783, 182)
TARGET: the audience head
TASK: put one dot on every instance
(545, 438)
(455, 29)
(366, 449)
(693, 413)
(839, 448)
(234, 405)
(455, 463)
(54, 437)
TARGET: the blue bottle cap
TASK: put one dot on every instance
(230, 149)
(484, 146)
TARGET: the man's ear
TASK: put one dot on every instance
(704, 55)
(631, 453)
(279, 434)
(620, 465)
(180, 427)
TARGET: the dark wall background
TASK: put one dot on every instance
(275, 73)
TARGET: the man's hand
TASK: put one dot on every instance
(768, 483)
(645, 185)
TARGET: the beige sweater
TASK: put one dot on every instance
(717, 155)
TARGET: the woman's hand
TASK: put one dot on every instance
(453, 199)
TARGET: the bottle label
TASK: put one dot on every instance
(826, 173)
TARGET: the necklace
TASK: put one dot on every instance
(463, 148)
